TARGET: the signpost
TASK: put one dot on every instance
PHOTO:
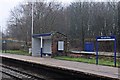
(106, 38)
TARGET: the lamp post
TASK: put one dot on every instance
(32, 27)
(32, 23)
(32, 19)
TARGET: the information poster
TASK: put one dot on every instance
(60, 45)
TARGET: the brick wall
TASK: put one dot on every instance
(55, 38)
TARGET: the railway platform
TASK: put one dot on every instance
(97, 70)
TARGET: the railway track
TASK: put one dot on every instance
(21, 70)
(18, 74)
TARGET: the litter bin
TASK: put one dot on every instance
(30, 50)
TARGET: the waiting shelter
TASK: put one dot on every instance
(49, 44)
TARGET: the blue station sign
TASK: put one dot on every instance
(106, 38)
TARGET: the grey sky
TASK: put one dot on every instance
(7, 5)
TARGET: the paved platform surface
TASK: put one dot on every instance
(104, 71)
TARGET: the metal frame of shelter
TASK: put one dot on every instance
(106, 38)
(41, 40)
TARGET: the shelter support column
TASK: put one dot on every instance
(115, 52)
(41, 46)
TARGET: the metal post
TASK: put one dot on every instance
(32, 20)
(32, 27)
(96, 52)
(115, 52)
(41, 47)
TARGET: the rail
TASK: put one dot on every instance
(18, 74)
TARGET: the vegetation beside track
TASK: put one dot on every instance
(106, 62)
(19, 52)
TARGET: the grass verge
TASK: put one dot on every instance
(19, 52)
(104, 62)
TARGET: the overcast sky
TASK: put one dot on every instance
(7, 5)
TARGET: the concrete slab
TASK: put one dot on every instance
(100, 53)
